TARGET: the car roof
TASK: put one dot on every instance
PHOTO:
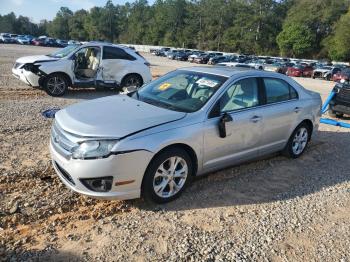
(220, 70)
(100, 43)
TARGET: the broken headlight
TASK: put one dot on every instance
(93, 149)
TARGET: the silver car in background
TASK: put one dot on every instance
(189, 122)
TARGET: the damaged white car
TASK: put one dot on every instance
(95, 64)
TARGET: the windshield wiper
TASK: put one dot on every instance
(137, 94)
(161, 104)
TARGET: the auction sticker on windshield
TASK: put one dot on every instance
(164, 86)
(207, 82)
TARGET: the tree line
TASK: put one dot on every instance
(294, 28)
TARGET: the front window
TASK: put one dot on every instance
(181, 90)
(242, 94)
(64, 51)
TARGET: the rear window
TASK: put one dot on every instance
(278, 90)
(116, 53)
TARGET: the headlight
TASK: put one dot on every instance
(93, 149)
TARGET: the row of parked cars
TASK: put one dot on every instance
(287, 66)
(7, 38)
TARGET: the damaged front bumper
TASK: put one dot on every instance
(25, 76)
(125, 170)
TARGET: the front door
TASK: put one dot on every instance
(243, 133)
(86, 66)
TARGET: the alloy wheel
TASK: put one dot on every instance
(170, 177)
(300, 141)
(56, 85)
(133, 82)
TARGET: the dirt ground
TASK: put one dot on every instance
(273, 209)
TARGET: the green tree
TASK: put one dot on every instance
(318, 16)
(59, 27)
(296, 40)
(76, 25)
(339, 44)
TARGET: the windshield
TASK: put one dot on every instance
(63, 52)
(181, 90)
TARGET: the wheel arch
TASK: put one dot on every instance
(309, 124)
(66, 76)
(129, 74)
(188, 149)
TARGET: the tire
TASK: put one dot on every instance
(295, 149)
(331, 113)
(339, 115)
(132, 80)
(55, 85)
(157, 184)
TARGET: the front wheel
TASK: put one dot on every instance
(55, 85)
(298, 141)
(167, 176)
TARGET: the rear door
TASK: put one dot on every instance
(116, 63)
(280, 113)
(240, 101)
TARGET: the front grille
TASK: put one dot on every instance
(344, 94)
(65, 174)
(59, 138)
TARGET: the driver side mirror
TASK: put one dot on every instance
(222, 124)
(73, 57)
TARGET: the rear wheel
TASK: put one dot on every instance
(167, 176)
(331, 113)
(298, 141)
(132, 81)
(55, 85)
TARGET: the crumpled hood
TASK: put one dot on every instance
(113, 117)
(35, 58)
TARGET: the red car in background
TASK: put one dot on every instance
(344, 74)
(299, 70)
(38, 42)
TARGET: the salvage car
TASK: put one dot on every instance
(5, 38)
(91, 65)
(300, 71)
(218, 59)
(38, 41)
(202, 58)
(274, 67)
(23, 40)
(325, 72)
(340, 103)
(343, 75)
(181, 56)
(187, 123)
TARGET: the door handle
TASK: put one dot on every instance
(297, 109)
(255, 119)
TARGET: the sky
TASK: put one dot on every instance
(47, 9)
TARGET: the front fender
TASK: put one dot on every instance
(190, 135)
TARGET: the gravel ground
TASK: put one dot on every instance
(273, 209)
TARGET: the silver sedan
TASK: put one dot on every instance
(189, 122)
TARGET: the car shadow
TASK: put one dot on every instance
(274, 178)
(48, 254)
(88, 93)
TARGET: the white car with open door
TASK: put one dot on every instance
(95, 64)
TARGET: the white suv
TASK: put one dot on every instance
(91, 65)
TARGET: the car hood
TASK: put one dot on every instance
(113, 117)
(322, 70)
(35, 58)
